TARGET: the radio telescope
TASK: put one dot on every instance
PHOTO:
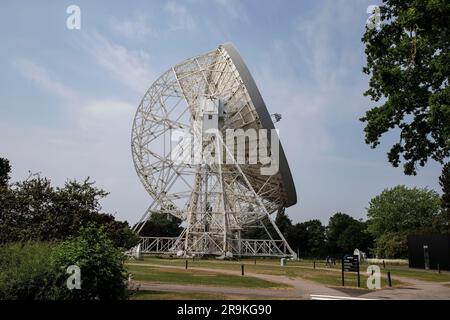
(184, 116)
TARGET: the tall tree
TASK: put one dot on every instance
(337, 224)
(444, 181)
(308, 238)
(399, 212)
(408, 60)
(355, 236)
(5, 170)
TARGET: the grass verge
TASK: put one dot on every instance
(153, 274)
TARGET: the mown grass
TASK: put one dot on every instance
(330, 276)
(195, 277)
(426, 275)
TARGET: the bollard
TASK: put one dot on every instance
(384, 265)
(186, 266)
(389, 278)
(242, 269)
(255, 260)
(314, 264)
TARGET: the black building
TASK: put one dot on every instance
(427, 251)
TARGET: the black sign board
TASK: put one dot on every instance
(350, 263)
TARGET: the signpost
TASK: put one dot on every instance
(350, 263)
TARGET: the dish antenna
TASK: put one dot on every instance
(185, 115)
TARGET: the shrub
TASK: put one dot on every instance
(26, 272)
(103, 274)
(37, 271)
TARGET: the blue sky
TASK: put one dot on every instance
(68, 97)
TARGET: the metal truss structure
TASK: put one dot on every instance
(247, 247)
(215, 200)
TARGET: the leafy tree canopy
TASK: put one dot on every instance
(401, 211)
(408, 60)
(345, 234)
(34, 210)
(5, 170)
(161, 224)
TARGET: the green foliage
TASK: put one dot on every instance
(5, 170)
(26, 272)
(345, 234)
(37, 271)
(161, 224)
(34, 210)
(355, 236)
(391, 245)
(399, 212)
(309, 238)
(408, 59)
(444, 181)
(103, 274)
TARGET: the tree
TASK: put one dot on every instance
(355, 236)
(345, 234)
(308, 237)
(33, 210)
(5, 170)
(283, 222)
(337, 224)
(444, 181)
(257, 231)
(399, 212)
(315, 238)
(161, 224)
(408, 59)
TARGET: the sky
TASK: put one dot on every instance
(68, 96)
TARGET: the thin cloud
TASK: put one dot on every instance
(180, 18)
(95, 136)
(41, 77)
(131, 68)
(234, 9)
(137, 27)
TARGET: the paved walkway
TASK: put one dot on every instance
(303, 289)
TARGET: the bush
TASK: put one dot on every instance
(37, 271)
(103, 274)
(26, 272)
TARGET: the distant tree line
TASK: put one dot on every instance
(391, 217)
(311, 239)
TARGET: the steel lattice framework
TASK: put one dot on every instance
(216, 201)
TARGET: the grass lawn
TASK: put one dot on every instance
(152, 274)
(427, 275)
(293, 269)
